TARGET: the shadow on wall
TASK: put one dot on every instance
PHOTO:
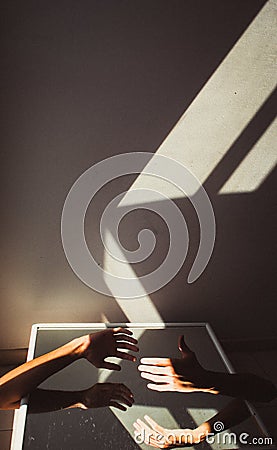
(235, 293)
(82, 83)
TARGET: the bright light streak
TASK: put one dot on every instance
(225, 105)
(256, 166)
(136, 310)
(212, 123)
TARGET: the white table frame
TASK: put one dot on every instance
(21, 413)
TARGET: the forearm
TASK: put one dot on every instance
(245, 386)
(21, 381)
(234, 413)
(230, 416)
(42, 400)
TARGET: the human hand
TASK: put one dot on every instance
(160, 437)
(109, 342)
(183, 374)
(107, 394)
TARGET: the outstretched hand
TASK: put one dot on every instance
(155, 435)
(107, 343)
(183, 374)
(107, 394)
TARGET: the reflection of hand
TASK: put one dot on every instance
(107, 394)
(110, 342)
(159, 437)
(183, 374)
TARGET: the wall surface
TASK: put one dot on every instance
(83, 81)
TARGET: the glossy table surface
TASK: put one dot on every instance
(110, 428)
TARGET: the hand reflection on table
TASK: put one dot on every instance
(155, 435)
(186, 375)
(99, 395)
(94, 347)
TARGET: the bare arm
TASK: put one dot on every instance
(99, 395)
(186, 374)
(94, 347)
(21, 381)
(246, 386)
(234, 413)
(157, 436)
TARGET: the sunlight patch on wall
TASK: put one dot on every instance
(138, 310)
(256, 166)
(225, 105)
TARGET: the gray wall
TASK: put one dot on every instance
(82, 81)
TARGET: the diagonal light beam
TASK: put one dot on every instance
(256, 165)
(224, 106)
(212, 123)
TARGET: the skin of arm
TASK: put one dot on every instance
(159, 437)
(187, 375)
(94, 347)
(246, 386)
(97, 396)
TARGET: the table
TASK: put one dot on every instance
(109, 428)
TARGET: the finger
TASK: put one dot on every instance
(124, 394)
(128, 400)
(142, 429)
(145, 427)
(157, 439)
(183, 346)
(122, 399)
(137, 427)
(159, 370)
(154, 444)
(123, 337)
(158, 443)
(131, 347)
(156, 378)
(110, 366)
(125, 389)
(126, 356)
(160, 387)
(156, 361)
(154, 425)
(117, 405)
(122, 330)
